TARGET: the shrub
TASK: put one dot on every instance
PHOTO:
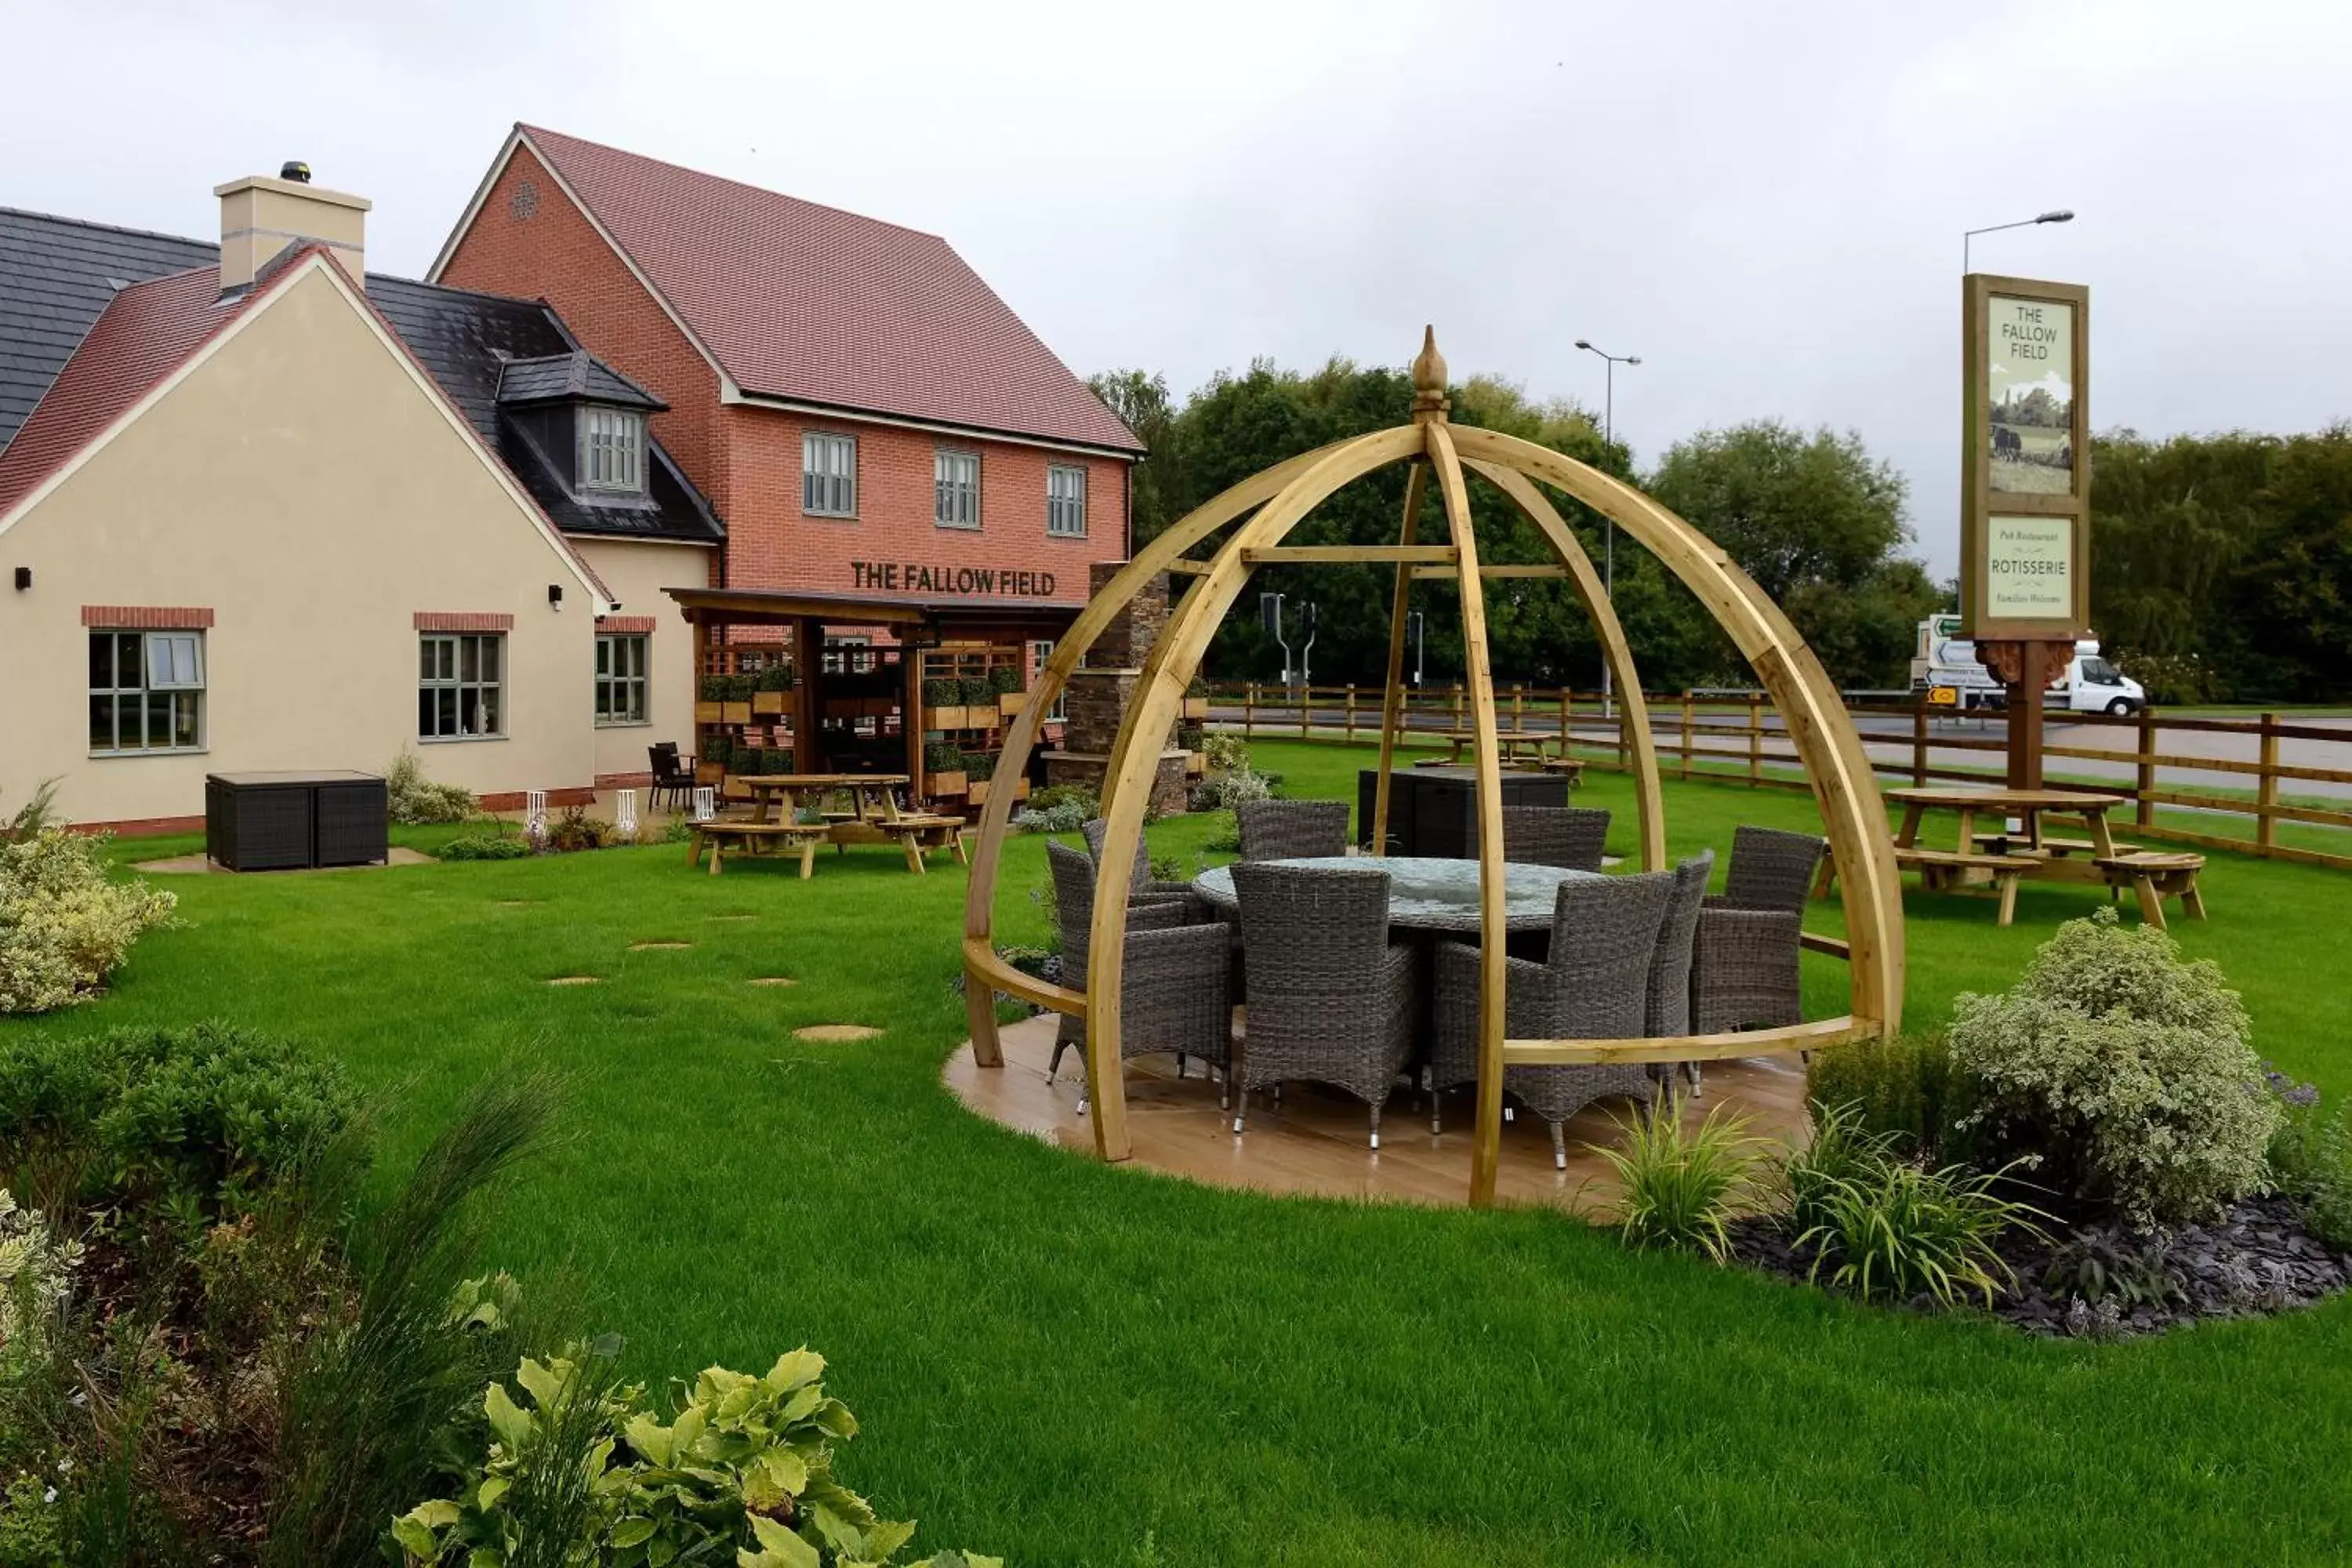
(1059, 808)
(717, 747)
(64, 927)
(36, 1270)
(980, 766)
(776, 760)
(39, 812)
(411, 799)
(2102, 1265)
(1222, 791)
(1005, 679)
(941, 756)
(1226, 751)
(1894, 1230)
(2310, 1158)
(777, 676)
(496, 842)
(943, 692)
(573, 829)
(977, 691)
(1900, 1086)
(742, 1472)
(211, 1113)
(2121, 1071)
(1683, 1188)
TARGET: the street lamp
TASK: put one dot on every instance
(1609, 535)
(2059, 214)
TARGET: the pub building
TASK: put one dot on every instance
(916, 493)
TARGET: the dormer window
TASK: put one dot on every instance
(612, 450)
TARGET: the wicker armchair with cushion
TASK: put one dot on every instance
(1173, 987)
(1143, 886)
(1331, 999)
(1744, 958)
(1567, 835)
(1292, 829)
(1594, 986)
(1669, 1012)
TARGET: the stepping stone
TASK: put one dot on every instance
(660, 946)
(519, 903)
(732, 917)
(772, 980)
(577, 979)
(835, 1034)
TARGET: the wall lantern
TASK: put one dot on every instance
(24, 578)
(555, 592)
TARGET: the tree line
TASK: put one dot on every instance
(1811, 516)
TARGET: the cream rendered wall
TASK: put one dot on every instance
(302, 485)
(636, 573)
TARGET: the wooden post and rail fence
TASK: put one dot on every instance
(1738, 738)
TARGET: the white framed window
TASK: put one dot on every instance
(1065, 501)
(955, 489)
(146, 693)
(1039, 652)
(621, 664)
(828, 474)
(461, 686)
(612, 450)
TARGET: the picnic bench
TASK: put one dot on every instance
(2154, 876)
(775, 823)
(1510, 746)
(1940, 870)
(722, 833)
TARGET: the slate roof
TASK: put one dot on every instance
(817, 305)
(62, 290)
(579, 373)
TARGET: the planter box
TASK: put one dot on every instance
(734, 712)
(708, 712)
(1010, 703)
(953, 783)
(947, 719)
(982, 719)
(735, 788)
(775, 702)
(1196, 707)
(1196, 764)
(710, 773)
(976, 793)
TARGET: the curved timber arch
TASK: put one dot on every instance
(1270, 506)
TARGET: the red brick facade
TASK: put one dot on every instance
(148, 617)
(461, 621)
(747, 458)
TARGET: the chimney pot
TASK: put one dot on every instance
(295, 170)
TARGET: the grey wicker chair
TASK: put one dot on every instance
(1292, 829)
(1571, 836)
(1143, 886)
(1331, 999)
(1669, 1012)
(1745, 956)
(1172, 989)
(1594, 986)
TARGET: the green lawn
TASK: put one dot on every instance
(1068, 1364)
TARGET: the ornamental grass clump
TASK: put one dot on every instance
(1683, 1188)
(64, 927)
(1894, 1231)
(2121, 1072)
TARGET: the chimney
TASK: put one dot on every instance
(261, 217)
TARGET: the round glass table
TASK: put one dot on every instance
(1426, 893)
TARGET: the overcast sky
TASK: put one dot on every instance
(1764, 202)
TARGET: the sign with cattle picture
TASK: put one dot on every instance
(2025, 481)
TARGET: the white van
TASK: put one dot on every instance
(1944, 670)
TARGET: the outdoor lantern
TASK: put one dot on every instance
(555, 592)
(24, 578)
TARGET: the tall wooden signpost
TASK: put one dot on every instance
(2025, 490)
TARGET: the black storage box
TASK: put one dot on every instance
(1434, 811)
(276, 821)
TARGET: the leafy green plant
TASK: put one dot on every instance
(943, 692)
(65, 927)
(583, 1471)
(942, 757)
(39, 812)
(412, 798)
(1005, 679)
(977, 691)
(1237, 786)
(497, 842)
(1842, 1149)
(1893, 1230)
(2310, 1160)
(712, 688)
(1683, 1188)
(1225, 834)
(1226, 751)
(777, 676)
(980, 766)
(2122, 1071)
(1902, 1086)
(717, 747)
(1059, 808)
(573, 829)
(37, 1273)
(2101, 1265)
(212, 1115)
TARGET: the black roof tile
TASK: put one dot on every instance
(56, 278)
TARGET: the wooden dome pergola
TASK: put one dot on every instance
(1270, 506)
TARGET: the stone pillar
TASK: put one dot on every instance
(1100, 691)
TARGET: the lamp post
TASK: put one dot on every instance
(1609, 525)
(2059, 214)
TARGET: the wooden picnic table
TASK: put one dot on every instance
(875, 818)
(1508, 743)
(2002, 859)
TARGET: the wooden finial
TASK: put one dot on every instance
(1429, 399)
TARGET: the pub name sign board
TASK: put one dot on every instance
(2026, 502)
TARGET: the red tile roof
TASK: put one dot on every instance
(147, 332)
(816, 305)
